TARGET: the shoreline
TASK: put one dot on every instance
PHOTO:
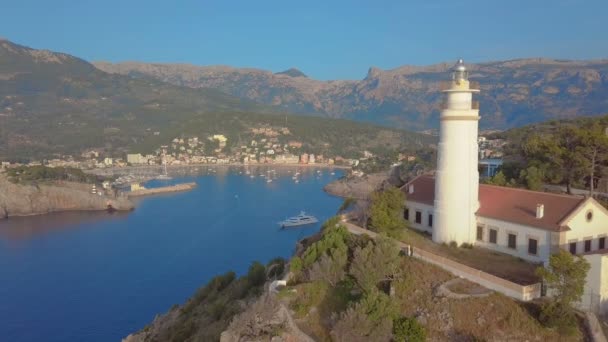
(186, 166)
(119, 204)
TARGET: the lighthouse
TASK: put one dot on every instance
(457, 177)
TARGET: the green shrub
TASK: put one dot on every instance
(296, 265)
(309, 295)
(565, 277)
(561, 318)
(386, 211)
(453, 244)
(466, 245)
(28, 174)
(407, 329)
(334, 237)
(256, 274)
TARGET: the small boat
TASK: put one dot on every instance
(300, 220)
(269, 180)
(164, 175)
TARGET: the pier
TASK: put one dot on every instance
(161, 190)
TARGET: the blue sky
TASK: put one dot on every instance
(323, 38)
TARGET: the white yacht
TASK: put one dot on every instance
(299, 220)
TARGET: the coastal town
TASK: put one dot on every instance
(267, 146)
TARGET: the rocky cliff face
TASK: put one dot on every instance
(513, 93)
(22, 200)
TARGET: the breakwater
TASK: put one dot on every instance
(164, 189)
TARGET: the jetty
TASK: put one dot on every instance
(161, 190)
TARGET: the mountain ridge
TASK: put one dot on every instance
(55, 104)
(514, 92)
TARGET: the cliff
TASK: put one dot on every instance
(356, 187)
(23, 200)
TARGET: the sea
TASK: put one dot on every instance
(99, 276)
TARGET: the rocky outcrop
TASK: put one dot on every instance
(261, 322)
(23, 200)
(356, 187)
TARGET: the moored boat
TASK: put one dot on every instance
(300, 220)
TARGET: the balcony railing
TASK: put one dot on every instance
(474, 105)
(446, 85)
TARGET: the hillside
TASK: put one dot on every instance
(566, 153)
(53, 103)
(513, 93)
(519, 134)
(346, 287)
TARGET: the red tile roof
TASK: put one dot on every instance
(424, 190)
(507, 204)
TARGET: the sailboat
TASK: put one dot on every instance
(164, 175)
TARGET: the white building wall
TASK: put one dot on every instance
(523, 233)
(595, 297)
(425, 210)
(581, 229)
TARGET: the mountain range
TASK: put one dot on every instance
(53, 103)
(513, 93)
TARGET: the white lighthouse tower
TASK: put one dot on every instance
(457, 177)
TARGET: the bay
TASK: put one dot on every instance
(84, 276)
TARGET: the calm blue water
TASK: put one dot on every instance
(99, 276)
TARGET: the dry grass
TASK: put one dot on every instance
(490, 318)
(463, 286)
(501, 265)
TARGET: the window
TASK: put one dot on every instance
(406, 214)
(589, 215)
(479, 233)
(532, 246)
(493, 235)
(572, 247)
(587, 245)
(418, 217)
(512, 241)
(430, 220)
(602, 242)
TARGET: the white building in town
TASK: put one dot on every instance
(532, 225)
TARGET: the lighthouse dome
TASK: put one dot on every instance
(460, 66)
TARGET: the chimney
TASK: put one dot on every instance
(411, 189)
(540, 211)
